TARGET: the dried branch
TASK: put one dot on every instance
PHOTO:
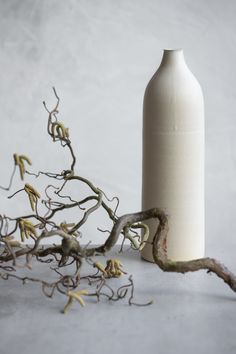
(210, 264)
(68, 254)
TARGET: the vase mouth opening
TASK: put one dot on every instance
(168, 50)
(173, 57)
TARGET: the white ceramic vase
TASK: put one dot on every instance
(173, 156)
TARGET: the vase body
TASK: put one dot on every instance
(173, 157)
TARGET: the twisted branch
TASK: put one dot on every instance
(69, 252)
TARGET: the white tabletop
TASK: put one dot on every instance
(191, 313)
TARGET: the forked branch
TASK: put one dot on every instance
(39, 225)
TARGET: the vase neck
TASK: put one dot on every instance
(173, 57)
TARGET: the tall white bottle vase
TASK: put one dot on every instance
(173, 156)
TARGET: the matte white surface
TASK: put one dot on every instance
(174, 156)
(100, 55)
(192, 313)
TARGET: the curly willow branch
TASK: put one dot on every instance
(210, 264)
(41, 225)
(159, 247)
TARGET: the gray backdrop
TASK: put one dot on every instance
(100, 55)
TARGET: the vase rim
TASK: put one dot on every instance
(173, 50)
